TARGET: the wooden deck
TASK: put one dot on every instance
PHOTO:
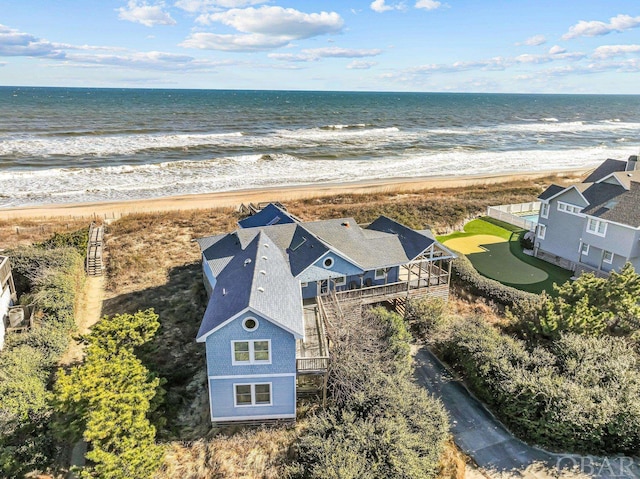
(312, 353)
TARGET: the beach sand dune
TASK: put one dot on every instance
(234, 198)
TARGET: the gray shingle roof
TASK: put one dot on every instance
(413, 242)
(599, 195)
(624, 209)
(551, 191)
(269, 215)
(605, 169)
(257, 277)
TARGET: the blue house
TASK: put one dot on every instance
(269, 287)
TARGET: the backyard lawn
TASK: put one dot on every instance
(494, 250)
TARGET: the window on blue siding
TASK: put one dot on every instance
(261, 350)
(251, 352)
(263, 393)
(241, 351)
(252, 394)
(243, 394)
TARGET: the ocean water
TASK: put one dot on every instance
(60, 145)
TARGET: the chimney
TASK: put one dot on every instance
(632, 163)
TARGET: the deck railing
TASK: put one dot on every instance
(5, 270)
(320, 363)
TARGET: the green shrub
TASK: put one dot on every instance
(108, 398)
(466, 277)
(78, 240)
(52, 278)
(381, 424)
(392, 429)
(578, 394)
(423, 314)
(589, 305)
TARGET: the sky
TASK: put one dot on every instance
(517, 46)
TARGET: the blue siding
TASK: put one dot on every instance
(310, 290)
(219, 356)
(340, 266)
(283, 397)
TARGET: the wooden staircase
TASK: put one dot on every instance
(94, 264)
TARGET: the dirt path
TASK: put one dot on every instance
(89, 313)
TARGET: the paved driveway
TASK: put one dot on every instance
(493, 448)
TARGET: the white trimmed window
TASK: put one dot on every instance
(328, 262)
(381, 273)
(304, 284)
(252, 394)
(542, 230)
(567, 208)
(584, 249)
(340, 280)
(597, 227)
(607, 257)
(251, 352)
(544, 210)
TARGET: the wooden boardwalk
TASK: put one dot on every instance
(94, 264)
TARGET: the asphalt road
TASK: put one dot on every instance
(493, 448)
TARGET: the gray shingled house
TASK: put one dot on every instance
(593, 226)
(274, 282)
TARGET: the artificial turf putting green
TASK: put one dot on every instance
(473, 244)
(504, 260)
(497, 262)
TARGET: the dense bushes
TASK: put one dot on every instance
(466, 277)
(579, 394)
(108, 398)
(381, 425)
(53, 278)
(589, 305)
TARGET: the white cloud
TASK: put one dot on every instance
(193, 6)
(16, 43)
(380, 6)
(609, 51)
(534, 41)
(278, 21)
(148, 15)
(556, 50)
(361, 65)
(234, 43)
(263, 28)
(315, 54)
(149, 61)
(428, 4)
(595, 28)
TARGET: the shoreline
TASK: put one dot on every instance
(116, 209)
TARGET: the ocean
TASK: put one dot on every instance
(69, 145)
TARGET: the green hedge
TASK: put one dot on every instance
(577, 394)
(466, 277)
(52, 278)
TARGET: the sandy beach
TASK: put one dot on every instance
(117, 209)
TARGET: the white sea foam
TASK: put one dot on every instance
(111, 145)
(551, 119)
(64, 185)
